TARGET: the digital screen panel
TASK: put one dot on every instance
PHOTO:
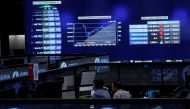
(45, 28)
(12, 73)
(155, 32)
(68, 82)
(87, 78)
(128, 30)
(86, 33)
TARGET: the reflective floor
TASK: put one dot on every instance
(84, 106)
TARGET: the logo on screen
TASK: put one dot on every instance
(63, 65)
(97, 60)
(15, 74)
(101, 68)
(5, 77)
(169, 74)
(104, 60)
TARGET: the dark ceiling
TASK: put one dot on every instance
(12, 22)
(12, 16)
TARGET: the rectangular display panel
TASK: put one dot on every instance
(153, 30)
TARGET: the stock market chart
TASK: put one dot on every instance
(128, 30)
(93, 34)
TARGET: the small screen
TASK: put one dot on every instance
(153, 93)
(86, 91)
(87, 78)
(68, 83)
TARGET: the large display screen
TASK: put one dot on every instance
(149, 30)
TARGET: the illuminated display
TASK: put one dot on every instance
(75, 62)
(93, 34)
(155, 32)
(127, 30)
(18, 72)
(46, 29)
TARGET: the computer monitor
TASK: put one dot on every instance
(68, 90)
(87, 78)
(68, 82)
(153, 93)
(85, 91)
(86, 85)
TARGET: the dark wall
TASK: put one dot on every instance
(12, 22)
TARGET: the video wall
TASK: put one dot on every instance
(130, 30)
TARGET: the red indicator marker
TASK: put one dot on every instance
(161, 29)
(161, 33)
(161, 25)
(161, 37)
